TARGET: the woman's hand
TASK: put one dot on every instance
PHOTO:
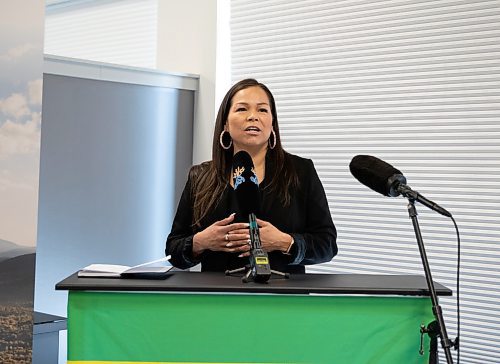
(223, 235)
(272, 238)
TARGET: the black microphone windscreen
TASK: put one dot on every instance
(245, 183)
(374, 173)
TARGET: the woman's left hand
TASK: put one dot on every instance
(272, 238)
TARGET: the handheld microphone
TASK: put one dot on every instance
(246, 187)
(387, 180)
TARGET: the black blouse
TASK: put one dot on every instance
(307, 219)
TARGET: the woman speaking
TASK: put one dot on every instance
(295, 224)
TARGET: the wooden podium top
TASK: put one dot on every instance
(185, 281)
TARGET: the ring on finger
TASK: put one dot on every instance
(226, 238)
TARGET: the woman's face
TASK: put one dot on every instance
(250, 120)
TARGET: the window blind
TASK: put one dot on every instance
(417, 84)
(121, 32)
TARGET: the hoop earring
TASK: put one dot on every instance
(221, 140)
(271, 146)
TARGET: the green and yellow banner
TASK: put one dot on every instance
(153, 328)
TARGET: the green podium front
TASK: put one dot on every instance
(211, 318)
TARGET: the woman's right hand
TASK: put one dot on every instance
(218, 237)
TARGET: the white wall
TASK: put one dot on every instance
(223, 55)
(187, 40)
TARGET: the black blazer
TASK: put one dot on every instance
(307, 219)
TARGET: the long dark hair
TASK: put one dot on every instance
(211, 178)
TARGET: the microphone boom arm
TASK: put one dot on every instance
(407, 192)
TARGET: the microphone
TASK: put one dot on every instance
(387, 180)
(246, 187)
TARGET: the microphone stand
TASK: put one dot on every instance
(436, 308)
(259, 269)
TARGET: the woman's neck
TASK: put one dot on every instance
(259, 158)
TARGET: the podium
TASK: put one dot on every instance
(207, 317)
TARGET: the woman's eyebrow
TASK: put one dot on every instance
(246, 103)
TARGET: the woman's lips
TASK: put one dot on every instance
(252, 131)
